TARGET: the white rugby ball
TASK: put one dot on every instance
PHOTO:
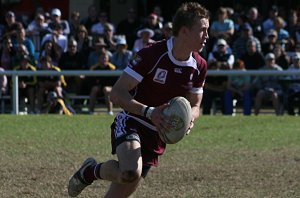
(180, 113)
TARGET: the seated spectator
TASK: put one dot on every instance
(167, 30)
(7, 52)
(48, 83)
(98, 28)
(51, 49)
(27, 83)
(99, 48)
(122, 55)
(72, 60)
(57, 37)
(56, 105)
(254, 20)
(293, 92)
(99, 83)
(281, 57)
(91, 19)
(22, 39)
(74, 23)
(57, 21)
(238, 87)
(144, 39)
(221, 54)
(240, 44)
(270, 42)
(128, 27)
(152, 22)
(215, 87)
(84, 42)
(268, 87)
(109, 37)
(279, 25)
(252, 58)
(223, 27)
(36, 30)
(269, 22)
(3, 83)
(11, 26)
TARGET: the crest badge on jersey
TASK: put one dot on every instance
(160, 76)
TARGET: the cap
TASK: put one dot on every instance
(100, 42)
(272, 32)
(221, 42)
(121, 41)
(56, 12)
(269, 56)
(10, 14)
(151, 32)
(168, 25)
(52, 95)
(246, 26)
(296, 56)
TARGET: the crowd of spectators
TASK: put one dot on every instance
(241, 40)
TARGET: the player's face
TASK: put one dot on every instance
(199, 35)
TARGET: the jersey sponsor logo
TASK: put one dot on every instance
(160, 76)
(178, 70)
(136, 59)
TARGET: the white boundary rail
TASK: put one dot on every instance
(16, 74)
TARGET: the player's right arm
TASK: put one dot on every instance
(120, 95)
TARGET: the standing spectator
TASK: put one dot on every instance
(36, 30)
(268, 87)
(240, 44)
(238, 87)
(223, 27)
(221, 54)
(72, 60)
(48, 83)
(7, 52)
(294, 89)
(281, 57)
(101, 82)
(155, 25)
(56, 20)
(27, 83)
(128, 27)
(144, 40)
(58, 37)
(268, 24)
(252, 58)
(255, 22)
(270, 41)
(122, 55)
(91, 19)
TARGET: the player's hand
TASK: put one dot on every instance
(191, 126)
(160, 120)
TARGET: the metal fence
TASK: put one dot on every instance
(16, 74)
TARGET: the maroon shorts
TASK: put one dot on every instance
(151, 144)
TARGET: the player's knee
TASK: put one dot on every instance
(130, 176)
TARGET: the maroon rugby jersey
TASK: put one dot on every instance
(162, 77)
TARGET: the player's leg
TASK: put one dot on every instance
(130, 170)
(258, 101)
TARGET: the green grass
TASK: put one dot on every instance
(254, 156)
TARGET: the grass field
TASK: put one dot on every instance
(256, 156)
